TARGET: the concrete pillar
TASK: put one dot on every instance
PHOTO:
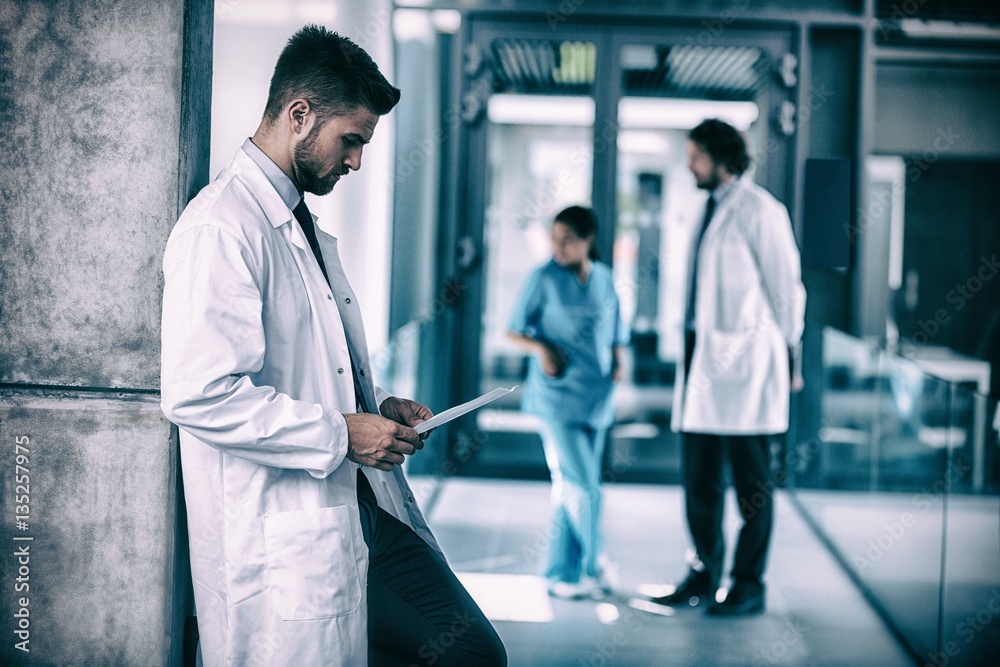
(105, 107)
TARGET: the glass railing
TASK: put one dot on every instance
(901, 476)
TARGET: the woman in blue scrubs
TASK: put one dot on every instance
(568, 318)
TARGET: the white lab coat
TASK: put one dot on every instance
(256, 373)
(749, 309)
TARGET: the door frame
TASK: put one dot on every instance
(463, 243)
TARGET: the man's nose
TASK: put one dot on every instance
(353, 160)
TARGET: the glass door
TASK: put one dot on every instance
(538, 161)
(530, 154)
(667, 87)
(595, 116)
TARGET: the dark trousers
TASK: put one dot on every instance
(704, 459)
(418, 611)
(704, 496)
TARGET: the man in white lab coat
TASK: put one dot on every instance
(307, 546)
(745, 315)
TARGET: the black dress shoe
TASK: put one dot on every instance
(742, 600)
(698, 587)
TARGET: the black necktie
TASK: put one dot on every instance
(689, 314)
(301, 213)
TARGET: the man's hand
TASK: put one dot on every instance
(377, 442)
(797, 382)
(406, 412)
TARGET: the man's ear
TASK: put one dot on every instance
(300, 116)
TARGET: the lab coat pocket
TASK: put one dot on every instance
(311, 565)
(727, 355)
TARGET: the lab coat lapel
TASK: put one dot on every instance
(270, 202)
(723, 213)
(350, 315)
(281, 217)
(278, 214)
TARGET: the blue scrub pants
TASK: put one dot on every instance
(574, 453)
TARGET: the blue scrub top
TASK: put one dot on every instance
(585, 322)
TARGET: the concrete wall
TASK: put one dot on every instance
(105, 135)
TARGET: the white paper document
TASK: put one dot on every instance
(459, 410)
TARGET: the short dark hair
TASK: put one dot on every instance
(583, 222)
(331, 72)
(723, 143)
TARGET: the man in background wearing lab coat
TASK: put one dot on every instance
(745, 313)
(299, 555)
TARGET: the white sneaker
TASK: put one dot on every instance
(607, 574)
(587, 587)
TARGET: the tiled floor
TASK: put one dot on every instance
(494, 533)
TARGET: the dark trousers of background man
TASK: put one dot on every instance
(705, 492)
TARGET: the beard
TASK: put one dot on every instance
(308, 167)
(710, 182)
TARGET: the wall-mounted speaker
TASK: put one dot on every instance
(826, 219)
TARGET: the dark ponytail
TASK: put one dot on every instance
(583, 222)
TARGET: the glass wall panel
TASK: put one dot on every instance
(915, 434)
(870, 483)
(539, 161)
(970, 632)
(902, 479)
(537, 167)
(842, 454)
